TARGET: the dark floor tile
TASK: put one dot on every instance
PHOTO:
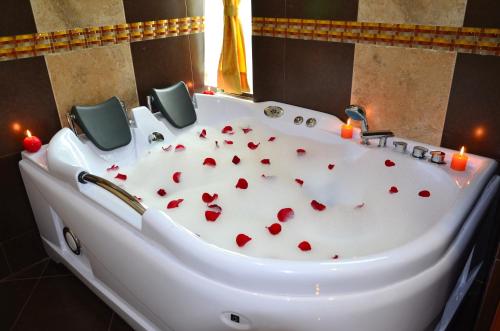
(32, 272)
(482, 13)
(118, 324)
(13, 296)
(474, 100)
(269, 8)
(16, 216)
(16, 17)
(341, 10)
(197, 51)
(56, 269)
(268, 68)
(148, 10)
(160, 63)
(27, 99)
(64, 303)
(24, 250)
(466, 314)
(318, 75)
(4, 267)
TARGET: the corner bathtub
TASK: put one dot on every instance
(399, 255)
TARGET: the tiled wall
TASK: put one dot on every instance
(36, 92)
(435, 96)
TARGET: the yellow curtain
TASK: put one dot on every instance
(232, 72)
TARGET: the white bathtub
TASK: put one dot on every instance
(161, 276)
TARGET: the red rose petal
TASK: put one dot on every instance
(285, 214)
(203, 133)
(137, 198)
(393, 190)
(246, 130)
(179, 148)
(317, 206)
(177, 176)
(424, 194)
(236, 159)
(228, 142)
(274, 228)
(271, 139)
(299, 181)
(166, 149)
(215, 207)
(121, 176)
(209, 162)
(301, 151)
(113, 167)
(161, 192)
(207, 198)
(174, 203)
(304, 246)
(242, 184)
(242, 239)
(331, 166)
(335, 257)
(389, 163)
(252, 145)
(265, 161)
(228, 129)
(211, 216)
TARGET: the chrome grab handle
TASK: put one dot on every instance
(84, 177)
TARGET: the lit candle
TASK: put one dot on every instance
(31, 143)
(459, 160)
(346, 130)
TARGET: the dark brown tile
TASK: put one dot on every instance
(343, 10)
(490, 300)
(197, 52)
(473, 118)
(118, 324)
(319, 75)
(16, 216)
(16, 17)
(466, 314)
(13, 296)
(195, 7)
(482, 13)
(24, 250)
(268, 68)
(160, 63)
(64, 303)
(27, 99)
(269, 8)
(147, 10)
(4, 267)
(56, 269)
(33, 271)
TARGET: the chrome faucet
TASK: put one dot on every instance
(357, 113)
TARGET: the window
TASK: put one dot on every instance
(214, 26)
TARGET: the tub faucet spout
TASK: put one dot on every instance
(358, 113)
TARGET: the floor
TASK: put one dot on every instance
(47, 296)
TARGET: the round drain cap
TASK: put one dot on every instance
(72, 241)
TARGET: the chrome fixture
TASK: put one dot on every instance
(400, 146)
(357, 113)
(149, 102)
(84, 178)
(438, 157)
(419, 152)
(72, 241)
(155, 136)
(311, 122)
(273, 111)
(298, 120)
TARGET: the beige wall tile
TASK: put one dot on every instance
(53, 15)
(431, 12)
(405, 90)
(91, 76)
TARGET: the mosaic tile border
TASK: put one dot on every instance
(484, 41)
(38, 44)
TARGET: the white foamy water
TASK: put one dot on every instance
(341, 229)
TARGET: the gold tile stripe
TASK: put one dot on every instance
(37, 44)
(458, 39)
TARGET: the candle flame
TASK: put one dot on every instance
(349, 121)
(28, 133)
(462, 150)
